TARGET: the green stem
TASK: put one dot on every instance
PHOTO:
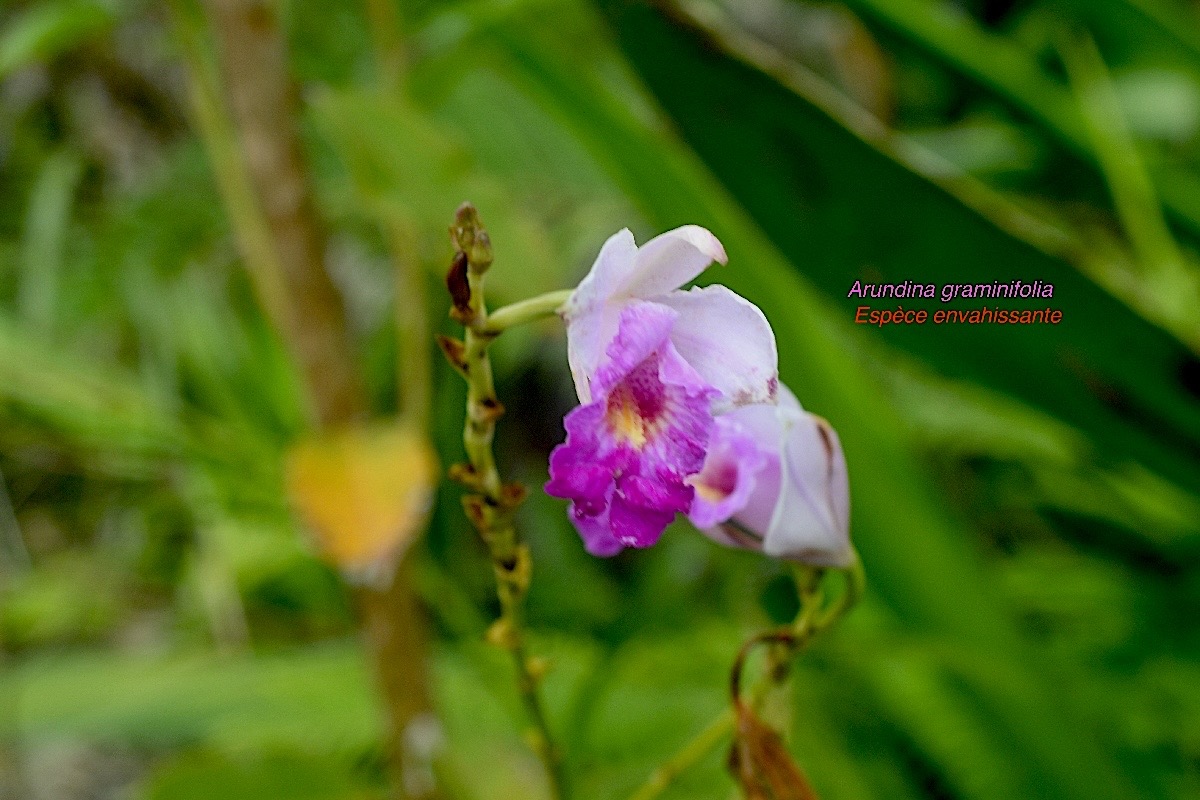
(492, 509)
(785, 645)
(479, 430)
(689, 754)
(856, 584)
(535, 308)
(796, 637)
(220, 142)
(414, 367)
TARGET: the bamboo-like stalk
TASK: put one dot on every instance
(491, 509)
(250, 131)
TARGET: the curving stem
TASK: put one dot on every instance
(785, 644)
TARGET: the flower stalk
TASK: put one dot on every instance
(531, 310)
(696, 748)
(813, 618)
(492, 504)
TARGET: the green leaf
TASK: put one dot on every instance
(917, 559)
(975, 760)
(813, 178)
(402, 163)
(97, 409)
(301, 698)
(296, 776)
(47, 29)
(47, 224)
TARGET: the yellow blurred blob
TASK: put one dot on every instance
(364, 494)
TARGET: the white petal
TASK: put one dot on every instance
(767, 425)
(671, 259)
(786, 399)
(613, 269)
(839, 480)
(811, 519)
(729, 342)
(737, 464)
(588, 337)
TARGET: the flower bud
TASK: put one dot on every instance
(471, 238)
(775, 480)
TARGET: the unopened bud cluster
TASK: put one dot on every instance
(471, 239)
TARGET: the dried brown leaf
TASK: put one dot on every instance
(460, 288)
(761, 764)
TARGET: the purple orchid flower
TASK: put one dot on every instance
(681, 412)
(630, 450)
(774, 480)
(724, 337)
(652, 364)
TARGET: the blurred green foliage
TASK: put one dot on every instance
(1026, 501)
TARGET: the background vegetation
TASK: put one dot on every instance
(1026, 501)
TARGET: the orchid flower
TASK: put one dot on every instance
(630, 450)
(651, 364)
(724, 337)
(774, 480)
(682, 412)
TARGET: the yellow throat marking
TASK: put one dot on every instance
(707, 492)
(624, 418)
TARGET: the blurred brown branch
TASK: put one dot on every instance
(263, 98)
